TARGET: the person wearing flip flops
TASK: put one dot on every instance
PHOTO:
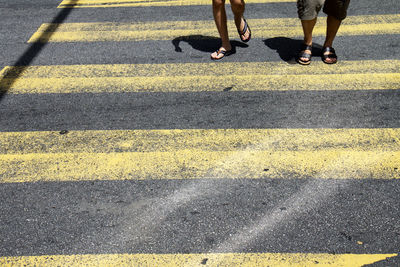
(219, 13)
(308, 11)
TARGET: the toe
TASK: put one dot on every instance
(217, 54)
(328, 59)
(331, 60)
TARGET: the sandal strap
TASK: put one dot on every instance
(331, 50)
(305, 55)
(306, 47)
(243, 32)
(221, 51)
(330, 56)
(328, 49)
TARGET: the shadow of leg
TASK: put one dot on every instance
(203, 43)
(288, 49)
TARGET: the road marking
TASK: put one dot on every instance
(169, 30)
(194, 154)
(197, 77)
(153, 3)
(209, 259)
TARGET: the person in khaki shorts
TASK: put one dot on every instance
(308, 11)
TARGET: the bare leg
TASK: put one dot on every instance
(220, 21)
(332, 28)
(308, 27)
(238, 7)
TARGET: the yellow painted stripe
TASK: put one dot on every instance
(209, 259)
(192, 154)
(169, 30)
(243, 76)
(137, 3)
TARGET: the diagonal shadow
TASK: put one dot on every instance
(12, 75)
(203, 43)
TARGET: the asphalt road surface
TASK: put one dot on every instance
(121, 142)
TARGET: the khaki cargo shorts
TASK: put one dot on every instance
(309, 9)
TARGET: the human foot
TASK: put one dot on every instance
(245, 33)
(220, 53)
(329, 55)
(305, 55)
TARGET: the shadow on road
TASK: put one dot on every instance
(203, 43)
(288, 48)
(12, 75)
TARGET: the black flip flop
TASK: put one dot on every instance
(243, 32)
(224, 53)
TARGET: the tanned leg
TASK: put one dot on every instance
(308, 27)
(238, 7)
(220, 21)
(332, 28)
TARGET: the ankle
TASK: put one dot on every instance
(226, 46)
(307, 41)
(327, 44)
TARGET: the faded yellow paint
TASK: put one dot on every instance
(192, 69)
(243, 76)
(136, 3)
(193, 154)
(199, 164)
(209, 259)
(169, 30)
(110, 141)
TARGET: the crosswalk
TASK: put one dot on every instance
(198, 154)
(168, 30)
(194, 154)
(233, 259)
(152, 3)
(198, 77)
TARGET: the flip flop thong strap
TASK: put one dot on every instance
(221, 51)
(244, 28)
